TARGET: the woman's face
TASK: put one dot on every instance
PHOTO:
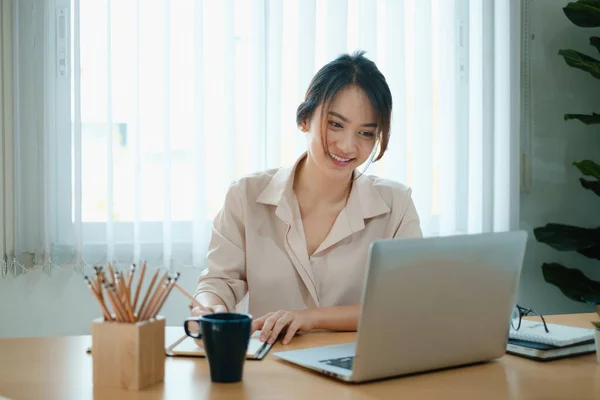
(351, 134)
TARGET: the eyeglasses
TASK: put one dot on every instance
(520, 312)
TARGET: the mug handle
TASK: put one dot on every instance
(187, 329)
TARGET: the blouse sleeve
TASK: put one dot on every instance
(225, 273)
(410, 225)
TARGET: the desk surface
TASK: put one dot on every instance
(59, 368)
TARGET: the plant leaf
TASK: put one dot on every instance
(572, 283)
(591, 252)
(594, 186)
(584, 13)
(581, 61)
(595, 41)
(588, 168)
(585, 118)
(566, 237)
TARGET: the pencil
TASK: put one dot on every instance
(118, 303)
(105, 312)
(123, 301)
(121, 286)
(116, 283)
(125, 290)
(112, 301)
(155, 296)
(164, 298)
(130, 279)
(152, 303)
(186, 294)
(128, 307)
(98, 283)
(152, 282)
(139, 286)
(117, 314)
(115, 288)
(124, 297)
(159, 298)
(111, 273)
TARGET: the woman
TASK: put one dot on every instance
(297, 238)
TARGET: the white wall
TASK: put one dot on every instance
(556, 195)
(38, 304)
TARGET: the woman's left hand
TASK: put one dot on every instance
(272, 324)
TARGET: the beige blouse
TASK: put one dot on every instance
(258, 244)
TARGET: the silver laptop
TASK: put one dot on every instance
(428, 304)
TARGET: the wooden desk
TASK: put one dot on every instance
(59, 368)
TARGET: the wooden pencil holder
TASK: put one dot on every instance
(128, 355)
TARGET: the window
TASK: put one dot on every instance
(165, 102)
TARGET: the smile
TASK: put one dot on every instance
(340, 159)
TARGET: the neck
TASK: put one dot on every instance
(313, 185)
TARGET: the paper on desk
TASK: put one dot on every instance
(186, 346)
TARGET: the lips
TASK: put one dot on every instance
(340, 161)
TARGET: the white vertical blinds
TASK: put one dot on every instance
(7, 238)
(77, 167)
(199, 160)
(173, 100)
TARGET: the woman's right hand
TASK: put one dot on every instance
(198, 310)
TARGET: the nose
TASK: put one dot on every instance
(346, 143)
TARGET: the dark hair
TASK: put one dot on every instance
(347, 70)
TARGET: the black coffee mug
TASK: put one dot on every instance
(225, 337)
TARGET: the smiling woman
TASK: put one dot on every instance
(317, 219)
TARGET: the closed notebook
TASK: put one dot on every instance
(546, 352)
(186, 346)
(559, 335)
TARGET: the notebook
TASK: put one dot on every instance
(546, 352)
(186, 346)
(559, 335)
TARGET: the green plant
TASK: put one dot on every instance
(586, 241)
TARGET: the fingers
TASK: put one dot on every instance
(273, 324)
(281, 323)
(258, 323)
(268, 325)
(197, 311)
(291, 331)
(218, 309)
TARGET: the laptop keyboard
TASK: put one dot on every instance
(344, 362)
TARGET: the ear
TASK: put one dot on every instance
(303, 126)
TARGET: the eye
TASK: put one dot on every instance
(335, 124)
(367, 134)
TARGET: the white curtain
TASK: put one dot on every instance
(7, 242)
(152, 108)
